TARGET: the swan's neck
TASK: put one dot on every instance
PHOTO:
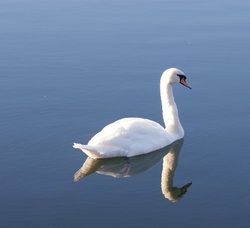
(169, 110)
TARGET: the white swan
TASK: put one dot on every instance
(133, 136)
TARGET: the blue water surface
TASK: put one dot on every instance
(68, 68)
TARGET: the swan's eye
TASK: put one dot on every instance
(182, 77)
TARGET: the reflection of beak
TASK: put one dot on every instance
(185, 188)
(183, 82)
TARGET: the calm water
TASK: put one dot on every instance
(68, 68)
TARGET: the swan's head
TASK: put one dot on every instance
(174, 75)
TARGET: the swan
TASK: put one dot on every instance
(134, 136)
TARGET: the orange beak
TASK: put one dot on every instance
(183, 82)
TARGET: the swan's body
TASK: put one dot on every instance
(127, 137)
(134, 136)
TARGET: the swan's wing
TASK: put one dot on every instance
(129, 137)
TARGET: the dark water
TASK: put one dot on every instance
(68, 68)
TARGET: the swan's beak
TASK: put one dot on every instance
(184, 82)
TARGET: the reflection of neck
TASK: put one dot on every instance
(168, 169)
(169, 109)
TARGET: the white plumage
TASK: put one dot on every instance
(134, 136)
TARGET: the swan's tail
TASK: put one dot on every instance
(88, 150)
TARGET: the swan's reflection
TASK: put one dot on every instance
(125, 167)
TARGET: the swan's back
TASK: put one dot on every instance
(130, 137)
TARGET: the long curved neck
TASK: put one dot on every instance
(169, 109)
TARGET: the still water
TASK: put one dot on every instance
(68, 68)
